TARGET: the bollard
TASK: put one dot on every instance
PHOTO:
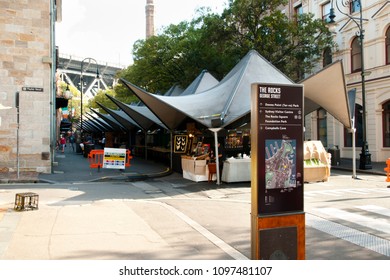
(387, 169)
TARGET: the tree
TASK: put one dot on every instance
(217, 42)
(101, 98)
(293, 45)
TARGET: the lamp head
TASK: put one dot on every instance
(331, 17)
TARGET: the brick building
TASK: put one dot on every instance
(376, 45)
(27, 70)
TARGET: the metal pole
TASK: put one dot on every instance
(353, 149)
(215, 130)
(365, 156)
(146, 148)
(171, 163)
(82, 90)
(17, 134)
(81, 102)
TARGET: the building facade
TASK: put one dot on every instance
(322, 126)
(27, 85)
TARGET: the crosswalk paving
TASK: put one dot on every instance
(334, 221)
(343, 192)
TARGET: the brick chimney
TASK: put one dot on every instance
(149, 9)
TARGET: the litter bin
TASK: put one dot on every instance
(335, 155)
(79, 150)
(87, 148)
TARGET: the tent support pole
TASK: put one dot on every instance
(171, 163)
(354, 176)
(146, 147)
(215, 130)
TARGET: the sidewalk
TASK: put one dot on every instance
(140, 220)
(73, 167)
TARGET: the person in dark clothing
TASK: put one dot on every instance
(221, 156)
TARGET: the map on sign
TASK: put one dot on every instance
(280, 164)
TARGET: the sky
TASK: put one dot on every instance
(106, 29)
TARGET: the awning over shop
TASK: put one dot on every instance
(92, 120)
(140, 115)
(327, 89)
(65, 125)
(102, 123)
(121, 117)
(203, 82)
(174, 91)
(227, 104)
(110, 120)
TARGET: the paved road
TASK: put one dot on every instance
(173, 218)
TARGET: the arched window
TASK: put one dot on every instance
(388, 46)
(386, 124)
(359, 129)
(327, 57)
(356, 55)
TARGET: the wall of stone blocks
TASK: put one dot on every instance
(25, 55)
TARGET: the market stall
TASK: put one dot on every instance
(236, 170)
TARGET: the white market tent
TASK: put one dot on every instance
(327, 89)
(146, 118)
(203, 82)
(225, 104)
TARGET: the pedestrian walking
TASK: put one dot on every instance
(62, 143)
(71, 141)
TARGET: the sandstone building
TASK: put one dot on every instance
(27, 71)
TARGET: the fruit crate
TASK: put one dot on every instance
(26, 201)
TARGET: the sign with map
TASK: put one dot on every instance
(279, 148)
(280, 164)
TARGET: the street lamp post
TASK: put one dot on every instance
(365, 156)
(89, 59)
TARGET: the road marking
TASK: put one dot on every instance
(356, 191)
(203, 231)
(341, 192)
(356, 218)
(375, 209)
(371, 242)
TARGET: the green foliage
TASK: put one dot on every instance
(217, 42)
(101, 98)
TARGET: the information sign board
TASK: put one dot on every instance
(114, 158)
(280, 115)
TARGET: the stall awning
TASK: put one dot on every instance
(327, 89)
(229, 102)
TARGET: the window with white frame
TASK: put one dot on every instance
(388, 46)
(356, 55)
(326, 11)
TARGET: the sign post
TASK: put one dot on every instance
(277, 216)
